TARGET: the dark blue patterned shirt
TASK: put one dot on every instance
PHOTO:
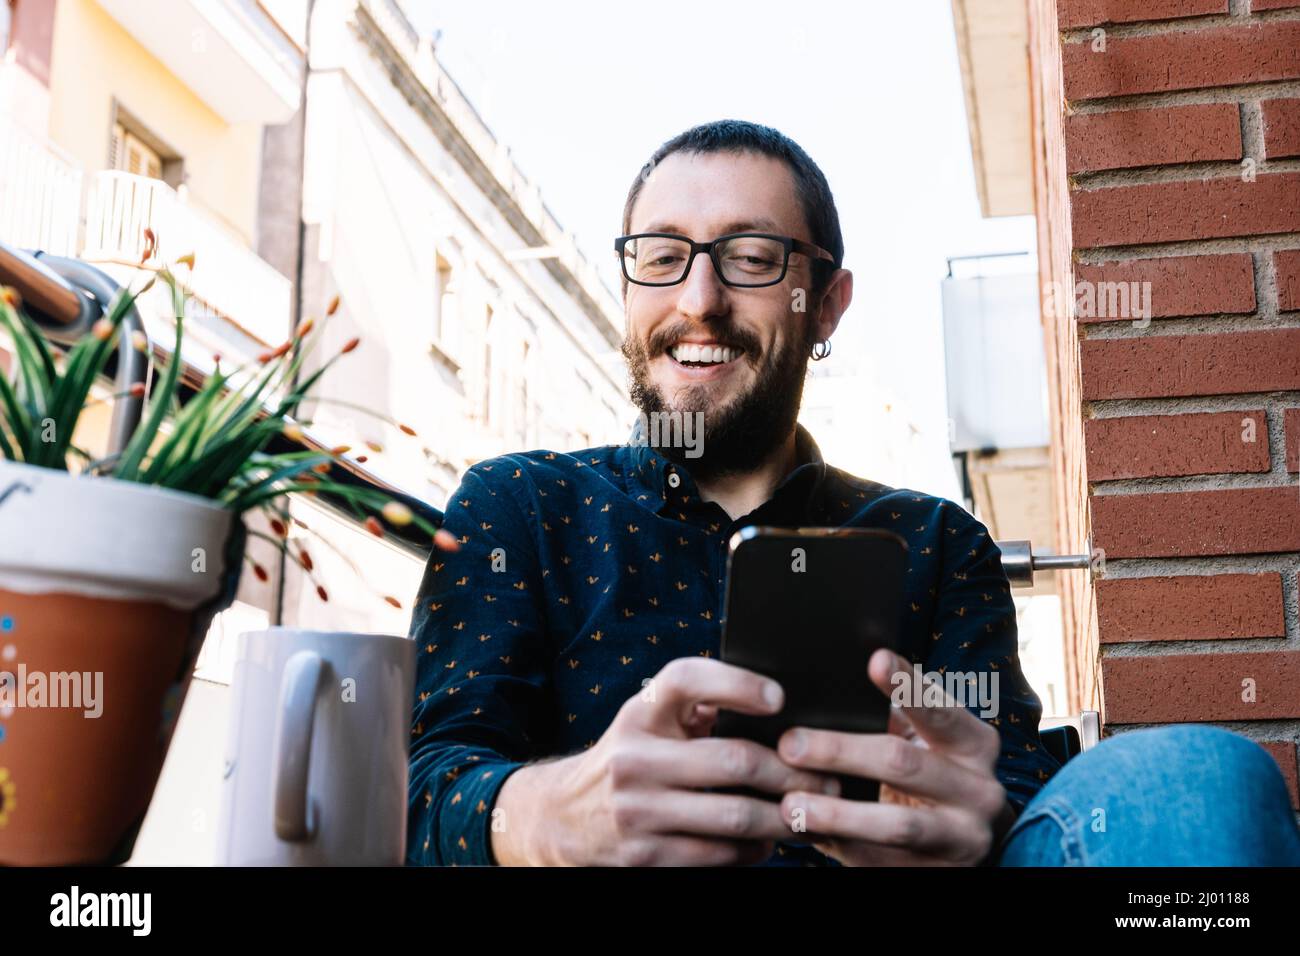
(582, 574)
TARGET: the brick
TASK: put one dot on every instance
(1072, 14)
(1170, 212)
(1178, 688)
(1281, 128)
(1197, 523)
(1287, 264)
(1190, 608)
(1257, 5)
(1283, 752)
(1180, 285)
(1168, 446)
(1128, 138)
(1169, 366)
(1291, 426)
(1257, 52)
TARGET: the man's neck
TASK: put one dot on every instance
(739, 494)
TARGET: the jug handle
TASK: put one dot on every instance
(296, 718)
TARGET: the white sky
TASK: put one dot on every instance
(872, 91)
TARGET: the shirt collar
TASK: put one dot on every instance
(652, 478)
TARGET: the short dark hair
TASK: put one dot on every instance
(740, 136)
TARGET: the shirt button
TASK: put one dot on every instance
(673, 479)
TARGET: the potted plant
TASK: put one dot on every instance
(112, 569)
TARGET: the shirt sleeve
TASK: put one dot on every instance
(481, 671)
(975, 633)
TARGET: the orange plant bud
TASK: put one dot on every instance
(260, 572)
(361, 459)
(11, 296)
(393, 601)
(102, 330)
(407, 428)
(292, 432)
(322, 593)
(445, 540)
(279, 528)
(304, 329)
(186, 260)
(396, 513)
(136, 390)
(351, 344)
(305, 558)
(333, 306)
(374, 527)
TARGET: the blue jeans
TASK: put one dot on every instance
(1185, 795)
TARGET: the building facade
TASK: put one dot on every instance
(302, 152)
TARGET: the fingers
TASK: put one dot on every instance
(701, 721)
(720, 816)
(714, 762)
(668, 703)
(891, 759)
(659, 850)
(936, 831)
(949, 727)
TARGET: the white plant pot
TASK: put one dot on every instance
(106, 591)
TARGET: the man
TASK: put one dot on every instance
(568, 676)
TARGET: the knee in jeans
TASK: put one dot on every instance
(1179, 742)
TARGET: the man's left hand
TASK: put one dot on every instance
(940, 802)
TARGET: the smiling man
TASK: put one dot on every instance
(568, 676)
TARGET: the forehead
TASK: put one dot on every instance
(703, 195)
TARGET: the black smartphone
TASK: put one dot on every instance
(808, 607)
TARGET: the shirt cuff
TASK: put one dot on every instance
(465, 818)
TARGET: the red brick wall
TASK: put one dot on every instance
(1061, 341)
(1178, 420)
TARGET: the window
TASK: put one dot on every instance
(444, 303)
(129, 154)
(132, 148)
(523, 421)
(486, 394)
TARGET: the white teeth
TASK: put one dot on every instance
(712, 354)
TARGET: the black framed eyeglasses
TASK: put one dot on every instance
(748, 260)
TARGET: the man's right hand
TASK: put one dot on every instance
(637, 797)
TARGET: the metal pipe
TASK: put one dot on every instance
(132, 365)
(43, 291)
(1019, 562)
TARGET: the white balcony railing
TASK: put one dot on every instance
(227, 276)
(40, 195)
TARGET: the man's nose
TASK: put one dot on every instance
(701, 295)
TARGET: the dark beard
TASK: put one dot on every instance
(742, 435)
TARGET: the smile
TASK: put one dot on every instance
(702, 355)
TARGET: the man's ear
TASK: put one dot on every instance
(834, 303)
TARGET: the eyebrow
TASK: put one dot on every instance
(761, 224)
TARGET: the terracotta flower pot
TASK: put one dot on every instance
(107, 589)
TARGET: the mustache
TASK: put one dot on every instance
(731, 336)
